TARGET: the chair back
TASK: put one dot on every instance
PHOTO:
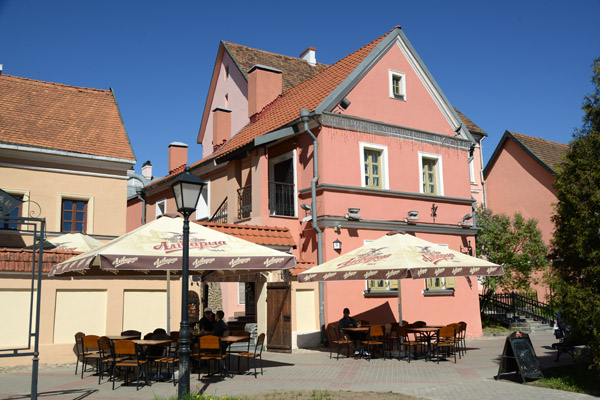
(174, 336)
(159, 330)
(209, 342)
(376, 331)
(90, 342)
(404, 323)
(79, 344)
(105, 347)
(402, 333)
(131, 332)
(149, 335)
(363, 322)
(463, 329)
(447, 332)
(332, 332)
(260, 341)
(418, 324)
(125, 347)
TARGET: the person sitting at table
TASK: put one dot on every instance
(348, 322)
(220, 326)
(207, 322)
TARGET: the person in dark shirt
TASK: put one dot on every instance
(220, 326)
(207, 322)
(348, 322)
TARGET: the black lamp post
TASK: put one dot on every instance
(187, 189)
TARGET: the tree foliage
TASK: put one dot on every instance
(516, 243)
(576, 245)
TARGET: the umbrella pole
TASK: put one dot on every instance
(399, 302)
(169, 302)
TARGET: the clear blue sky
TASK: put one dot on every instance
(517, 65)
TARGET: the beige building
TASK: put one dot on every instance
(64, 151)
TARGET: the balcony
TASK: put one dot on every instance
(281, 199)
(244, 208)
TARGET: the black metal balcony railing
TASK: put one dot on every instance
(221, 214)
(281, 199)
(244, 202)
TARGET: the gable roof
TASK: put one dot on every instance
(294, 70)
(54, 116)
(263, 235)
(546, 153)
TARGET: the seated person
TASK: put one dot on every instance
(348, 322)
(207, 322)
(220, 326)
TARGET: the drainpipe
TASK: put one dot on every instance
(304, 116)
(143, 200)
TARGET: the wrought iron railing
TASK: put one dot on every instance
(499, 305)
(244, 202)
(221, 214)
(281, 199)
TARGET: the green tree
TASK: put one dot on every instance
(576, 245)
(516, 244)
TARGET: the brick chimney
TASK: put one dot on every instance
(310, 55)
(147, 170)
(264, 85)
(177, 155)
(221, 126)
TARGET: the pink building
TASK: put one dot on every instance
(378, 148)
(519, 177)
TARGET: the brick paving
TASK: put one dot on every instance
(472, 377)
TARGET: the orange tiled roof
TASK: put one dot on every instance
(263, 235)
(550, 153)
(309, 94)
(62, 117)
(301, 266)
(471, 126)
(294, 70)
(20, 260)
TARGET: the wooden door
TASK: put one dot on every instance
(279, 317)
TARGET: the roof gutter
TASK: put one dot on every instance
(304, 116)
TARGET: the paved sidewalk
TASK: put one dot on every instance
(470, 378)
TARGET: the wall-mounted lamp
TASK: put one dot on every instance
(344, 104)
(353, 214)
(412, 217)
(337, 228)
(337, 245)
(305, 207)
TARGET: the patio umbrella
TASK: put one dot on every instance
(71, 242)
(156, 247)
(398, 255)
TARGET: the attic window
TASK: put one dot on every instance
(397, 85)
(226, 71)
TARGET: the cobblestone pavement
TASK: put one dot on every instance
(472, 377)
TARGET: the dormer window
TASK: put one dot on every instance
(397, 85)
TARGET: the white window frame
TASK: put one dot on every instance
(385, 182)
(443, 280)
(402, 76)
(439, 172)
(241, 298)
(203, 205)
(277, 160)
(157, 211)
(386, 282)
(472, 170)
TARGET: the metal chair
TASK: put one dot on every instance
(256, 355)
(209, 349)
(78, 349)
(171, 360)
(133, 333)
(90, 351)
(130, 356)
(375, 340)
(334, 338)
(447, 340)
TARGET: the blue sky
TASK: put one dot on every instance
(518, 65)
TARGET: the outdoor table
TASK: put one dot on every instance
(428, 332)
(119, 337)
(359, 329)
(147, 343)
(228, 340)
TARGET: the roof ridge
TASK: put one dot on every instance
(537, 138)
(55, 83)
(268, 52)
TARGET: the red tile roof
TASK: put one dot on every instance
(20, 260)
(62, 117)
(294, 70)
(301, 266)
(550, 153)
(263, 235)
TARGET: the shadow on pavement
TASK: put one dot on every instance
(77, 393)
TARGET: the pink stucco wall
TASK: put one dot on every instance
(517, 183)
(370, 98)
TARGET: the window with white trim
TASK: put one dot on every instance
(203, 205)
(472, 170)
(161, 207)
(397, 85)
(430, 174)
(440, 284)
(374, 166)
(381, 285)
(241, 293)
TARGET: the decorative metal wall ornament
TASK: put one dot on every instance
(467, 250)
(434, 209)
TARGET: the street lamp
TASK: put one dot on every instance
(187, 189)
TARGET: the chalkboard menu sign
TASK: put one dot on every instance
(518, 356)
